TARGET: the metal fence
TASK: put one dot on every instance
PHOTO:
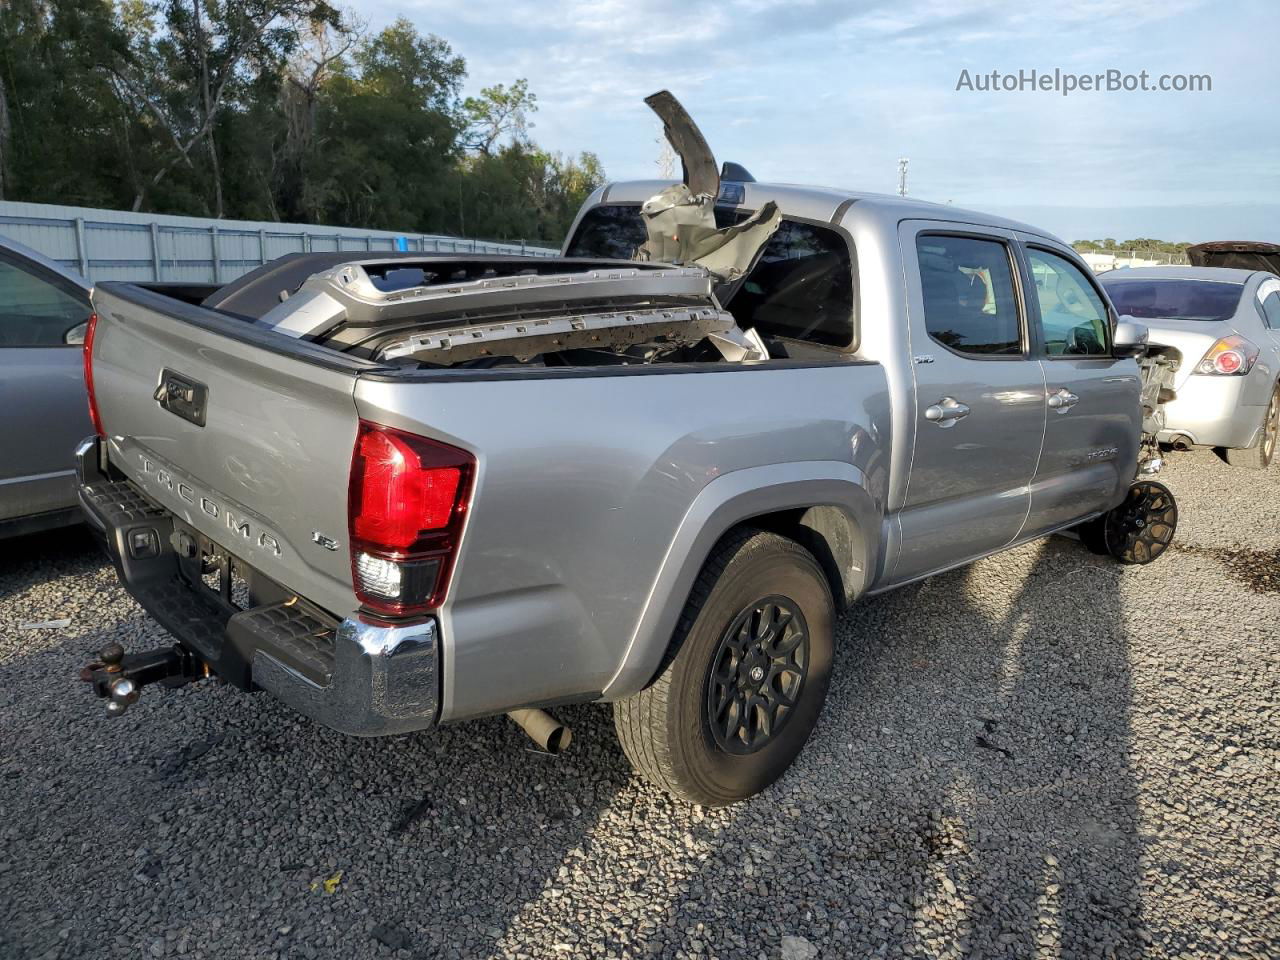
(119, 245)
(1104, 260)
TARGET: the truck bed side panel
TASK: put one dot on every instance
(582, 483)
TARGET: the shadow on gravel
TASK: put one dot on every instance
(969, 791)
(211, 823)
(971, 772)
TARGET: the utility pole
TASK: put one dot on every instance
(902, 176)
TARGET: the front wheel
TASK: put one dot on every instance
(1262, 453)
(745, 677)
(1139, 530)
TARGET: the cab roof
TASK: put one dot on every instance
(827, 203)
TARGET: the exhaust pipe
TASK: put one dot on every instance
(543, 729)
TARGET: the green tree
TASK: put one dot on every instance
(64, 137)
(499, 112)
(270, 109)
(389, 126)
(188, 75)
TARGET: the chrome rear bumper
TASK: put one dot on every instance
(359, 678)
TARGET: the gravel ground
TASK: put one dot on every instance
(1043, 754)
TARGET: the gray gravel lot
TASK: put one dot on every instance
(1043, 754)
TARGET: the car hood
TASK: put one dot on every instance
(1239, 254)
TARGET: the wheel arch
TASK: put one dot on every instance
(823, 505)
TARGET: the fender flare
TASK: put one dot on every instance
(722, 504)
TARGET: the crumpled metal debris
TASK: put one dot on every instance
(681, 220)
(682, 229)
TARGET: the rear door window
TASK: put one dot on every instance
(801, 288)
(970, 303)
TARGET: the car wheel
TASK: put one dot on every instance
(744, 679)
(1262, 453)
(1142, 527)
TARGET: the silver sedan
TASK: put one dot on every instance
(44, 412)
(1226, 324)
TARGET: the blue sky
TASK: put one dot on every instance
(832, 92)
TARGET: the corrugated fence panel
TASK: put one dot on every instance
(280, 244)
(120, 245)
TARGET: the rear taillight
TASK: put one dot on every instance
(1230, 357)
(407, 502)
(90, 329)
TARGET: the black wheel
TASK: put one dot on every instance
(745, 677)
(1142, 527)
(1262, 453)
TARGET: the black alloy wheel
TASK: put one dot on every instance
(1142, 527)
(757, 673)
(744, 678)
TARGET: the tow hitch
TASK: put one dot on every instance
(119, 677)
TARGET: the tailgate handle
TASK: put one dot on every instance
(182, 396)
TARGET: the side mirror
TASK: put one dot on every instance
(1130, 338)
(75, 336)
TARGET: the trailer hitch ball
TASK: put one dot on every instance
(118, 677)
(122, 691)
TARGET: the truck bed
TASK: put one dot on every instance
(586, 479)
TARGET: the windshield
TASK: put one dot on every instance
(1174, 299)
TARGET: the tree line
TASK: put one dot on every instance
(282, 110)
(1111, 245)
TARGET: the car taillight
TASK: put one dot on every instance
(90, 329)
(407, 502)
(1230, 357)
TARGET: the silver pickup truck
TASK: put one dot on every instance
(406, 491)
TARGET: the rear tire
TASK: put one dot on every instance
(752, 652)
(1262, 454)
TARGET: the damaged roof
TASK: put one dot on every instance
(820, 203)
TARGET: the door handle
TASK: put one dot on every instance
(946, 412)
(1062, 400)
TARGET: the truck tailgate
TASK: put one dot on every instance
(255, 456)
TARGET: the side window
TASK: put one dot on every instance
(1271, 309)
(969, 300)
(801, 287)
(1073, 317)
(33, 311)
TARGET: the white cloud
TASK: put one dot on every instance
(834, 91)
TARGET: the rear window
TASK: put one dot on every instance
(1174, 298)
(801, 288)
